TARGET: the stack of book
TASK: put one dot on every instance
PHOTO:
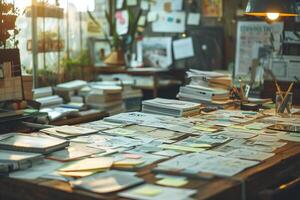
(106, 98)
(171, 107)
(32, 144)
(208, 88)
(69, 89)
(46, 98)
(19, 160)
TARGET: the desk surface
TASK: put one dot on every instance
(273, 171)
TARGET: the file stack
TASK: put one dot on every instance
(46, 98)
(208, 88)
(171, 107)
(106, 98)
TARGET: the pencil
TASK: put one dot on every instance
(283, 103)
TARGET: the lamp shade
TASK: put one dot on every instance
(285, 8)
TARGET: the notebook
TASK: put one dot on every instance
(30, 143)
(88, 164)
(20, 160)
(107, 182)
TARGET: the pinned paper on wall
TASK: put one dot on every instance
(142, 21)
(145, 5)
(183, 48)
(119, 4)
(193, 19)
(169, 22)
(167, 5)
(152, 16)
(131, 2)
(122, 19)
(155, 52)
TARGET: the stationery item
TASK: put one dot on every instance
(284, 103)
(68, 131)
(155, 192)
(171, 107)
(72, 85)
(88, 164)
(172, 182)
(34, 144)
(20, 160)
(248, 154)
(128, 163)
(36, 171)
(74, 152)
(107, 182)
(183, 48)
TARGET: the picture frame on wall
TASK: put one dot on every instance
(99, 49)
(212, 8)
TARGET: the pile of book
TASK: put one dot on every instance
(69, 89)
(46, 98)
(171, 107)
(106, 98)
(208, 88)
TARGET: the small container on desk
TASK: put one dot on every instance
(284, 102)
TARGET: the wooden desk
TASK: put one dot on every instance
(275, 171)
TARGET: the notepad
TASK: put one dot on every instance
(68, 131)
(88, 164)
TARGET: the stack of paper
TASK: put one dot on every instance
(171, 107)
(106, 98)
(50, 101)
(107, 182)
(210, 88)
(35, 144)
(19, 160)
(68, 131)
(42, 92)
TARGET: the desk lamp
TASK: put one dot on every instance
(272, 10)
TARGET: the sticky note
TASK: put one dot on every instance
(173, 182)
(148, 191)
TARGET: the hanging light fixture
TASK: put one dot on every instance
(271, 9)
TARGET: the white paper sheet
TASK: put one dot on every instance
(173, 22)
(183, 48)
(193, 19)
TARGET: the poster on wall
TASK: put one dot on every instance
(155, 52)
(212, 8)
(254, 39)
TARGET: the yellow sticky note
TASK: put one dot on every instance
(201, 145)
(203, 128)
(172, 182)
(148, 191)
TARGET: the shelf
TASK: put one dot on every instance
(46, 11)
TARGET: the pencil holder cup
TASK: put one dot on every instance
(283, 103)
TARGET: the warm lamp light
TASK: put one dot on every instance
(271, 9)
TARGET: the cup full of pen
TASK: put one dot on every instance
(284, 101)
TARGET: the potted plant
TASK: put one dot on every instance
(8, 30)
